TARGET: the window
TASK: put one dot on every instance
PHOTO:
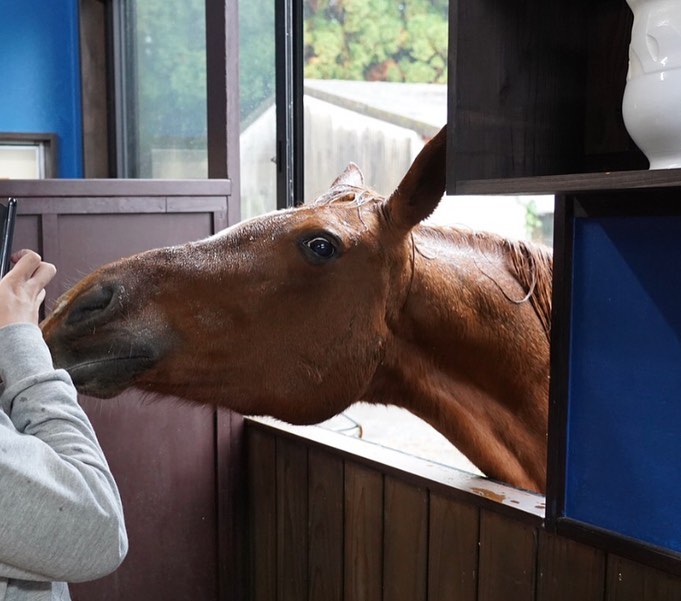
(161, 88)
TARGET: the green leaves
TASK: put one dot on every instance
(376, 40)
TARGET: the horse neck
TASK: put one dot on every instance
(469, 360)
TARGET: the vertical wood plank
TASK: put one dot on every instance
(569, 570)
(262, 503)
(230, 459)
(363, 536)
(292, 519)
(631, 581)
(405, 544)
(325, 526)
(452, 550)
(508, 552)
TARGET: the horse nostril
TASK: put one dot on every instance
(91, 305)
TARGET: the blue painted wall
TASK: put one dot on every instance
(40, 75)
(624, 429)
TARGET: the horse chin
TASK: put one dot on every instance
(107, 366)
(108, 377)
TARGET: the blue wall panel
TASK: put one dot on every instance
(40, 74)
(624, 424)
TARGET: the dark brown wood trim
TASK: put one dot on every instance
(115, 187)
(90, 205)
(232, 518)
(577, 182)
(521, 505)
(94, 87)
(103, 205)
(222, 81)
(560, 340)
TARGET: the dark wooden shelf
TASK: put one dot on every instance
(578, 182)
(535, 91)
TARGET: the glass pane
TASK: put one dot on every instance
(375, 86)
(164, 89)
(258, 109)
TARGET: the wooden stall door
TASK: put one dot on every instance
(176, 464)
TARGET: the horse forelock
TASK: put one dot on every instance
(530, 264)
(352, 195)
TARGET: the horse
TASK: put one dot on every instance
(301, 312)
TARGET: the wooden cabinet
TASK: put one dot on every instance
(616, 382)
(535, 101)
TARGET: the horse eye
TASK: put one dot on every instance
(321, 247)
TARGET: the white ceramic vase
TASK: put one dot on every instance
(652, 98)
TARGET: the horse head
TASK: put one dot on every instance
(286, 314)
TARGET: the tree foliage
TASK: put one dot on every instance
(376, 40)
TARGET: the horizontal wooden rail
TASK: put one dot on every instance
(114, 187)
(519, 504)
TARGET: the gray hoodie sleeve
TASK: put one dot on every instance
(60, 511)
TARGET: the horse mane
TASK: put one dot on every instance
(530, 264)
(533, 266)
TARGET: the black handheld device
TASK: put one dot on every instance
(8, 216)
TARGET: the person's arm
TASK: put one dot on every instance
(60, 512)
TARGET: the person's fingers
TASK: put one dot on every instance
(31, 273)
(18, 254)
(26, 264)
(43, 275)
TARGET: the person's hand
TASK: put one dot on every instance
(22, 290)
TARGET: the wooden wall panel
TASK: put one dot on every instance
(162, 455)
(232, 527)
(508, 551)
(262, 502)
(384, 532)
(325, 526)
(27, 233)
(405, 543)
(176, 464)
(292, 521)
(452, 550)
(568, 570)
(630, 581)
(363, 579)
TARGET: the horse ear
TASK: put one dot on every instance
(352, 176)
(421, 189)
